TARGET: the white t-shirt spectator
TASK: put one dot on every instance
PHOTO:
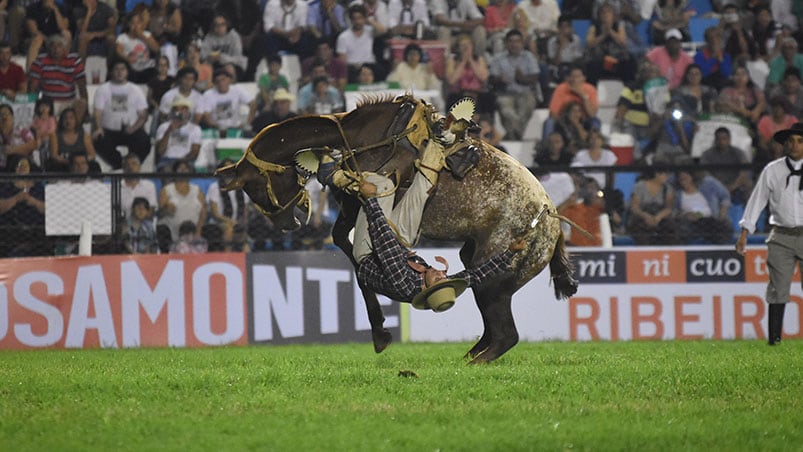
(583, 158)
(144, 189)
(167, 100)
(225, 107)
(181, 139)
(283, 17)
(357, 49)
(136, 47)
(397, 15)
(120, 104)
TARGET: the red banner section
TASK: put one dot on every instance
(123, 301)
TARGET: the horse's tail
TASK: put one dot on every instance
(562, 271)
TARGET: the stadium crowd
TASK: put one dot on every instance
(150, 86)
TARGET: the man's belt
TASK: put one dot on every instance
(797, 230)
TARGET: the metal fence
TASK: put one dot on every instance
(23, 231)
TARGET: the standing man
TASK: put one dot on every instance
(781, 185)
(59, 75)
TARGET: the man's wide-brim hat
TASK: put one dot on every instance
(783, 135)
(441, 295)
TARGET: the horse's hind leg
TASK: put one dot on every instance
(500, 333)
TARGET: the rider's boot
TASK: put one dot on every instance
(431, 162)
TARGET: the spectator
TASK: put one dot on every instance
(203, 70)
(671, 15)
(405, 17)
(411, 74)
(776, 120)
(161, 83)
(596, 155)
(44, 19)
(573, 128)
(137, 46)
(564, 49)
(586, 214)
(739, 43)
(764, 32)
(189, 240)
(178, 138)
(96, 26)
(714, 63)
(738, 182)
(278, 112)
(699, 97)
(743, 97)
(542, 19)
(633, 115)
(515, 77)
(488, 132)
(498, 21)
(223, 45)
(554, 152)
(70, 138)
(120, 114)
(181, 201)
(22, 209)
(284, 23)
(14, 140)
(12, 76)
(220, 106)
(43, 126)
(355, 45)
(60, 75)
(456, 17)
(324, 99)
(271, 81)
(334, 67)
(186, 78)
(789, 57)
(573, 89)
(650, 220)
(467, 76)
(675, 135)
(791, 89)
(135, 186)
(671, 60)
(702, 207)
(326, 19)
(166, 21)
(140, 237)
(607, 55)
(228, 211)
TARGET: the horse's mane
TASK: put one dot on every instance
(381, 98)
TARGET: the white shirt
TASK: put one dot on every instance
(165, 104)
(282, 17)
(583, 158)
(542, 17)
(119, 104)
(213, 196)
(137, 48)
(357, 49)
(144, 189)
(225, 108)
(181, 139)
(397, 15)
(694, 203)
(559, 186)
(464, 11)
(785, 201)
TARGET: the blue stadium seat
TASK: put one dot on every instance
(698, 25)
(625, 182)
(643, 30)
(701, 6)
(581, 27)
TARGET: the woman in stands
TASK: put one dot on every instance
(650, 218)
(22, 211)
(573, 127)
(700, 98)
(138, 47)
(412, 73)
(743, 98)
(606, 44)
(204, 70)
(467, 74)
(70, 138)
(13, 139)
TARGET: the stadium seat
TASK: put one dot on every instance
(643, 30)
(581, 27)
(291, 68)
(608, 92)
(697, 27)
(625, 182)
(535, 127)
(701, 6)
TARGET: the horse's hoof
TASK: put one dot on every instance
(382, 340)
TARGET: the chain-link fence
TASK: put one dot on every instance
(42, 214)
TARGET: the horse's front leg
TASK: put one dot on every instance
(340, 236)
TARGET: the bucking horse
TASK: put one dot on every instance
(490, 206)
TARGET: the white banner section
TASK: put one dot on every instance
(615, 311)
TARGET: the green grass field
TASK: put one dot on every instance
(706, 395)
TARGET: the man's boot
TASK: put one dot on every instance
(775, 323)
(431, 162)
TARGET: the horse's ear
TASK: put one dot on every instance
(417, 267)
(228, 175)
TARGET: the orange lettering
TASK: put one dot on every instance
(681, 317)
(636, 318)
(717, 317)
(575, 321)
(740, 318)
(614, 319)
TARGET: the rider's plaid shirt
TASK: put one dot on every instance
(386, 272)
